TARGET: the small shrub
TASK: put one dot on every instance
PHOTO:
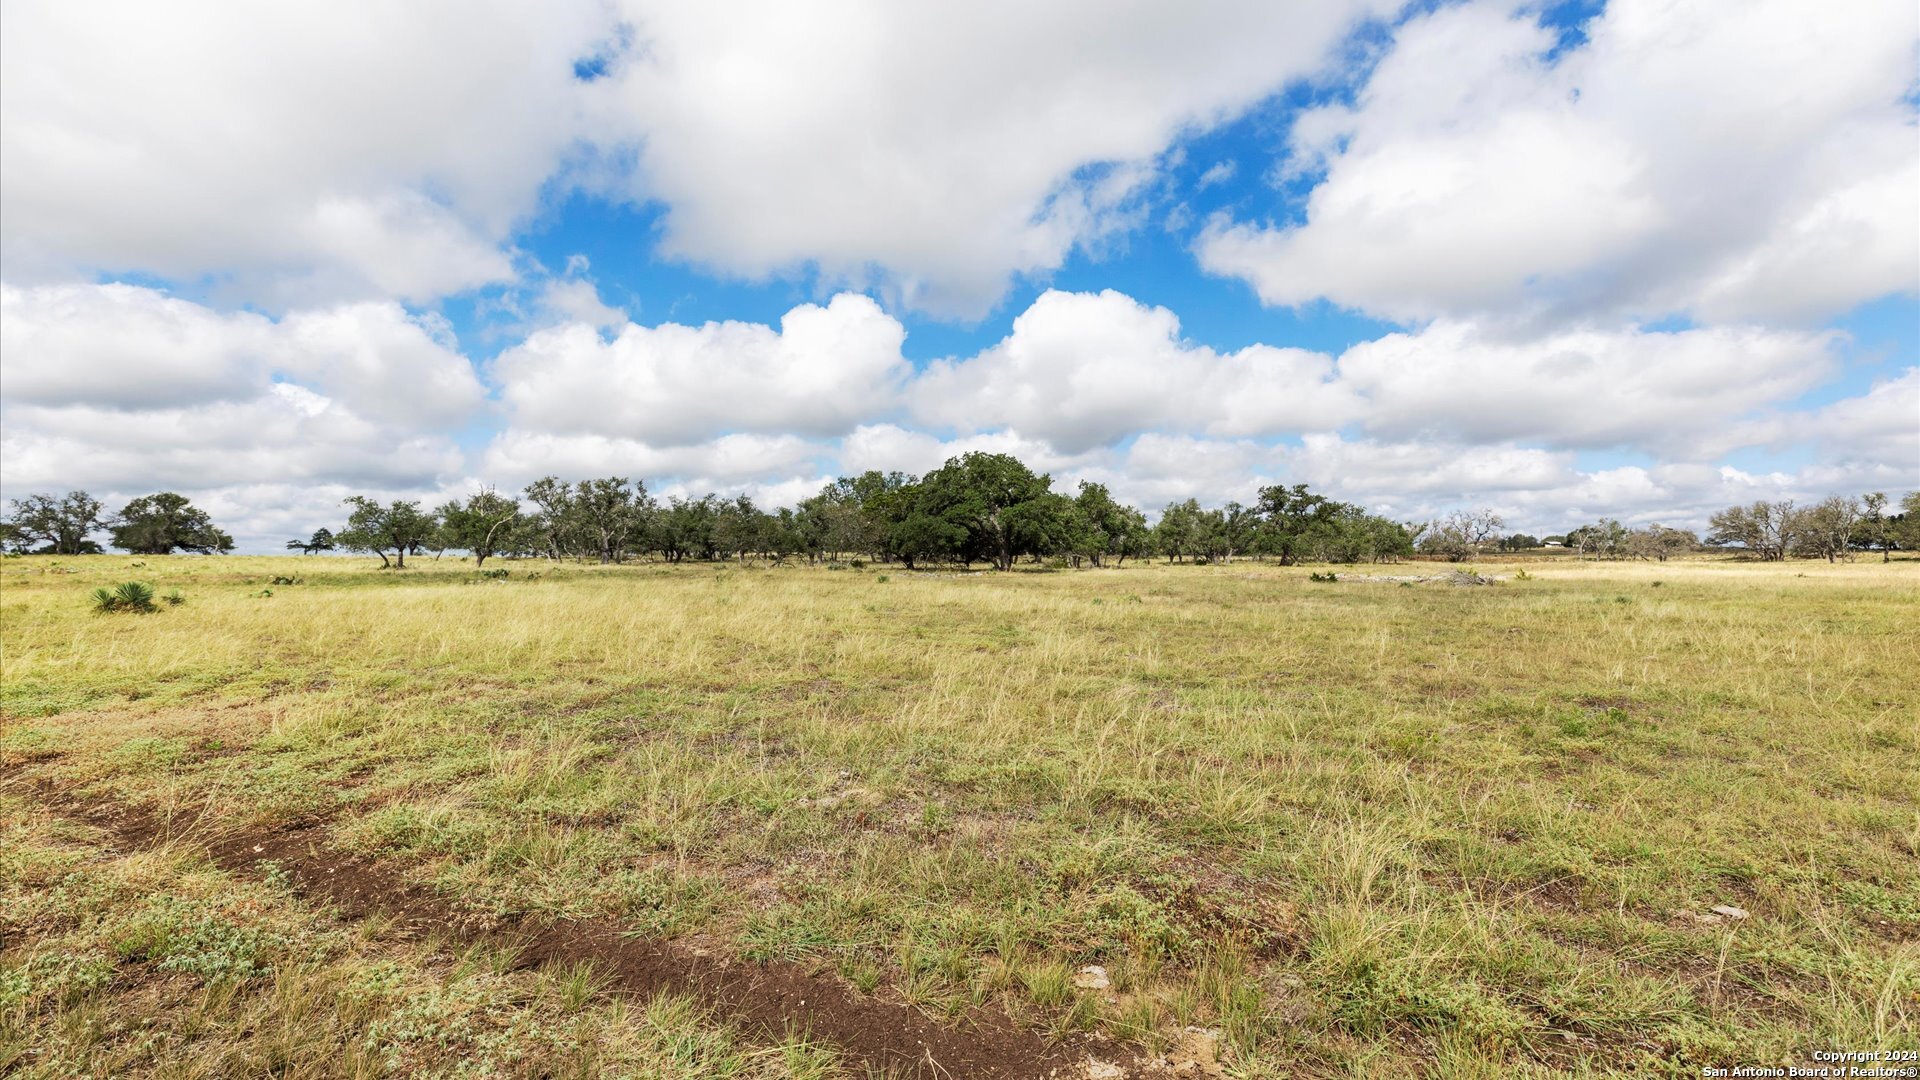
(1202, 560)
(859, 564)
(131, 596)
(883, 578)
(494, 575)
(284, 580)
(1318, 576)
(264, 593)
(175, 598)
(1522, 575)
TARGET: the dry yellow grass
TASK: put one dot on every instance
(1359, 827)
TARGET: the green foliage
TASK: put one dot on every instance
(399, 527)
(55, 526)
(128, 596)
(321, 540)
(484, 524)
(1326, 577)
(163, 523)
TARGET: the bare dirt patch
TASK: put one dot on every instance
(873, 1034)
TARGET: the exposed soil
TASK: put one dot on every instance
(874, 1035)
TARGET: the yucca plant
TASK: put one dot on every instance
(126, 596)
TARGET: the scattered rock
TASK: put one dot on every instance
(1101, 1070)
(1196, 1053)
(1092, 977)
(1730, 911)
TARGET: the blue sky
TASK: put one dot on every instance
(1586, 259)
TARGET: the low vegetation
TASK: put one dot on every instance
(1580, 818)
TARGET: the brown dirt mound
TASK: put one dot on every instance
(873, 1035)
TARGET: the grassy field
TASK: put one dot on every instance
(1348, 828)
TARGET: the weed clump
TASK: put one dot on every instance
(1318, 576)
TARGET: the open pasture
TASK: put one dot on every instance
(1305, 828)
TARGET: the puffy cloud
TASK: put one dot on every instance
(945, 147)
(124, 390)
(889, 447)
(134, 348)
(300, 154)
(1878, 430)
(1580, 388)
(1728, 160)
(285, 435)
(120, 346)
(516, 458)
(824, 370)
(1082, 370)
(578, 300)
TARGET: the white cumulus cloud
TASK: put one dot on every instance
(1728, 160)
(943, 148)
(300, 153)
(821, 372)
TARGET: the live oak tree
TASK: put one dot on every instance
(988, 495)
(610, 510)
(483, 524)
(321, 540)
(1904, 528)
(57, 526)
(1462, 534)
(1875, 531)
(1106, 529)
(1293, 520)
(1659, 542)
(1825, 529)
(398, 527)
(1181, 530)
(165, 522)
(1604, 539)
(1769, 530)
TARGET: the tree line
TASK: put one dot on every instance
(977, 508)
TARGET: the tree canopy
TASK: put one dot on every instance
(163, 523)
